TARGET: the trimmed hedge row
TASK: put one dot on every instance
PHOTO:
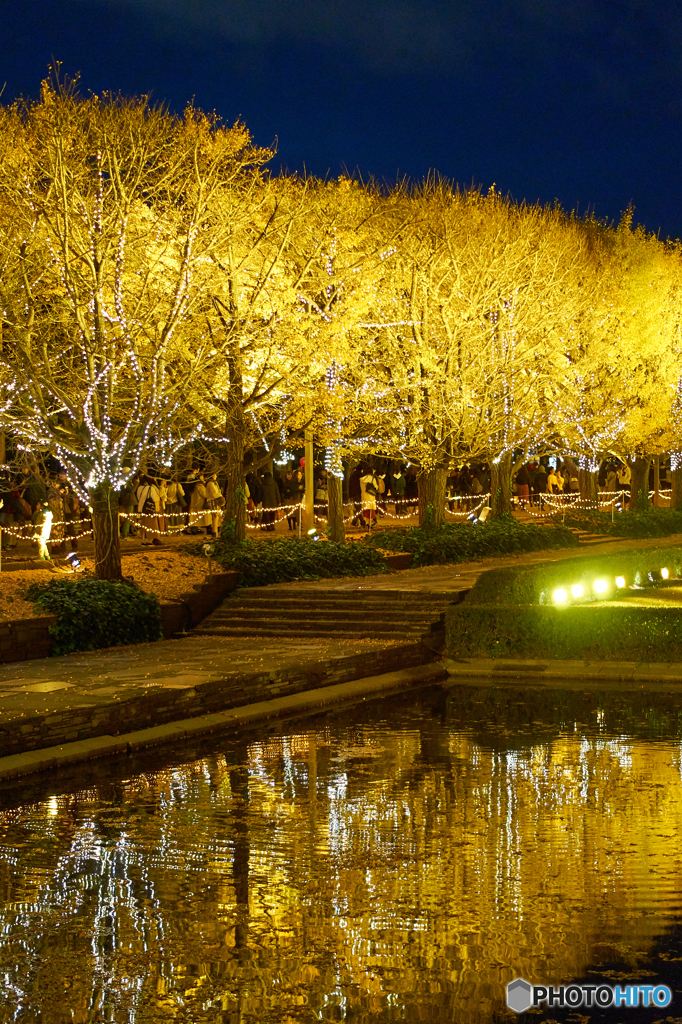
(283, 560)
(462, 542)
(580, 631)
(534, 585)
(651, 522)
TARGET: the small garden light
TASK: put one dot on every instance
(73, 560)
(600, 586)
(577, 590)
(620, 582)
(559, 596)
(664, 574)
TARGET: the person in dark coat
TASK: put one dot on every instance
(290, 499)
(271, 501)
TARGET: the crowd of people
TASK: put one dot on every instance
(44, 507)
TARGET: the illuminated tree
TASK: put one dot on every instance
(106, 241)
(481, 294)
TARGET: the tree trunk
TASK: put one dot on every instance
(335, 527)
(234, 521)
(104, 504)
(501, 485)
(676, 495)
(588, 485)
(431, 485)
(657, 480)
(639, 484)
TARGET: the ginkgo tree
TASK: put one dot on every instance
(106, 242)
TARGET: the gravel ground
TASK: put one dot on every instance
(166, 573)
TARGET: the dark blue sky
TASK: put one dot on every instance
(578, 100)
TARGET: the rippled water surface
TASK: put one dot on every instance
(397, 861)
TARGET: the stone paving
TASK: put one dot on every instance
(80, 695)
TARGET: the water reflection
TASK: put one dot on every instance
(400, 861)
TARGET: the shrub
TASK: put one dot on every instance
(461, 542)
(95, 613)
(280, 561)
(651, 522)
(582, 631)
(535, 584)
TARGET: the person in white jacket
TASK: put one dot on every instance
(214, 501)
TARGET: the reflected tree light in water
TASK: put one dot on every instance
(394, 863)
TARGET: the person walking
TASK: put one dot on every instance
(288, 499)
(147, 496)
(270, 501)
(214, 502)
(176, 501)
(523, 486)
(42, 521)
(398, 489)
(369, 485)
(197, 503)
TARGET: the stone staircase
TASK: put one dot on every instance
(333, 614)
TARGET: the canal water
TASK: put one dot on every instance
(399, 860)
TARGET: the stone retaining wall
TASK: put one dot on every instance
(26, 639)
(159, 705)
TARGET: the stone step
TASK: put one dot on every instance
(328, 625)
(233, 631)
(231, 611)
(271, 595)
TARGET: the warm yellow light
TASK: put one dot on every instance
(600, 586)
(620, 581)
(577, 590)
(664, 574)
(559, 596)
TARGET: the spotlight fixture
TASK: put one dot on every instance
(600, 586)
(577, 590)
(620, 582)
(559, 596)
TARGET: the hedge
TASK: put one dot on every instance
(283, 560)
(462, 542)
(638, 525)
(580, 631)
(535, 584)
(94, 613)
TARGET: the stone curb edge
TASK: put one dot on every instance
(50, 758)
(632, 672)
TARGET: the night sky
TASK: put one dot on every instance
(575, 100)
